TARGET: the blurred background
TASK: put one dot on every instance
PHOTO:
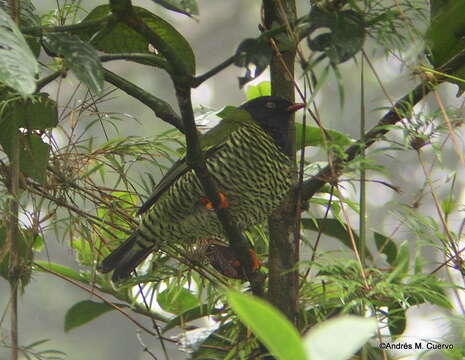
(214, 36)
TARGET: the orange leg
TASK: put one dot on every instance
(256, 263)
(209, 205)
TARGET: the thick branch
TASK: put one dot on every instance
(200, 79)
(283, 258)
(331, 173)
(124, 11)
(161, 108)
(196, 160)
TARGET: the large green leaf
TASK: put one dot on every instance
(397, 320)
(345, 37)
(85, 311)
(176, 300)
(261, 89)
(18, 65)
(400, 263)
(256, 52)
(117, 37)
(386, 246)
(338, 338)
(271, 327)
(34, 152)
(37, 113)
(23, 250)
(314, 136)
(446, 36)
(27, 18)
(80, 57)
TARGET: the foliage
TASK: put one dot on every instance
(82, 180)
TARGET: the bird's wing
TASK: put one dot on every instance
(210, 143)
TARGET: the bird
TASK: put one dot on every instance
(245, 155)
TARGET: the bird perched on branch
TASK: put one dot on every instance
(245, 156)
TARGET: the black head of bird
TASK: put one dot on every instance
(273, 114)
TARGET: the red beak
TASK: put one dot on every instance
(295, 107)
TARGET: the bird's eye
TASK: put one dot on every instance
(270, 105)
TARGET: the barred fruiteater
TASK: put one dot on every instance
(244, 155)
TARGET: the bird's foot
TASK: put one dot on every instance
(209, 205)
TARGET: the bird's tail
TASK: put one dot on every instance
(125, 258)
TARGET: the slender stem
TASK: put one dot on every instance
(362, 218)
(14, 319)
(47, 80)
(39, 30)
(200, 79)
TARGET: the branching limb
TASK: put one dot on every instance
(124, 11)
(161, 108)
(40, 30)
(200, 79)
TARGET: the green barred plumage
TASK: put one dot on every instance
(249, 167)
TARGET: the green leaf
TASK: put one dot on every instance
(18, 65)
(34, 152)
(191, 314)
(255, 52)
(262, 89)
(270, 326)
(176, 300)
(346, 33)
(351, 333)
(315, 137)
(80, 57)
(397, 320)
(401, 264)
(445, 35)
(333, 228)
(27, 13)
(60, 269)
(27, 18)
(116, 37)
(85, 311)
(386, 246)
(35, 113)
(186, 7)
(25, 256)
(33, 157)
(226, 111)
